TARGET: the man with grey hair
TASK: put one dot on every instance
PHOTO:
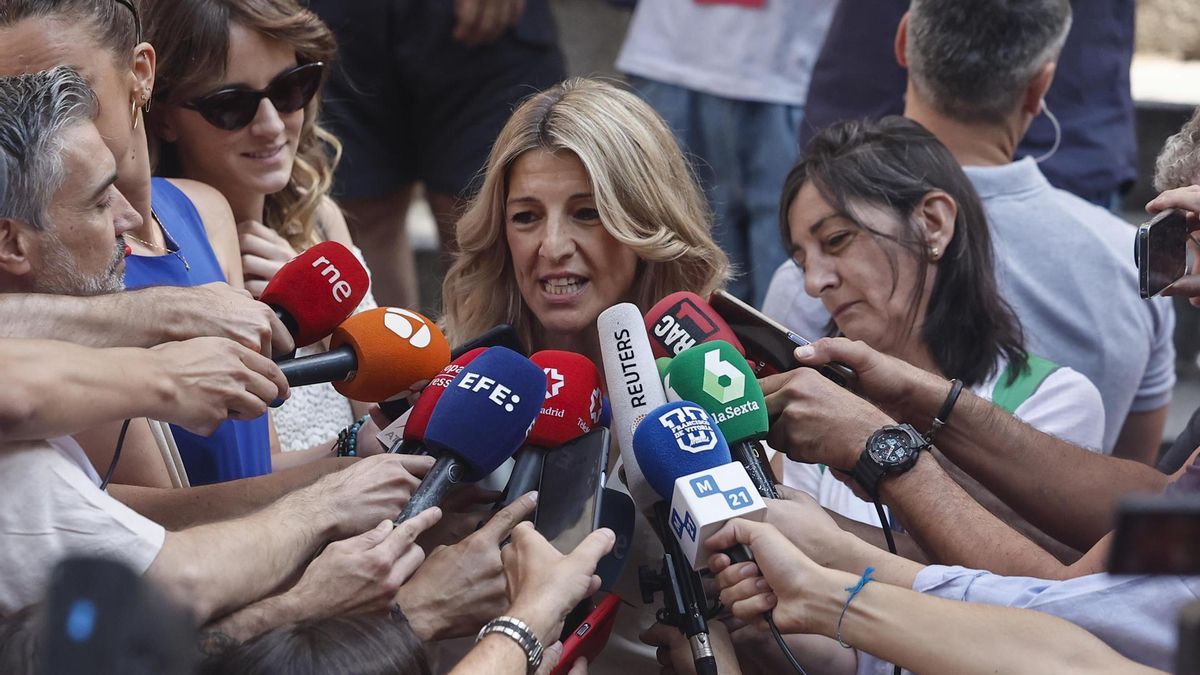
(978, 75)
(61, 222)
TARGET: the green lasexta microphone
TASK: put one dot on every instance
(714, 376)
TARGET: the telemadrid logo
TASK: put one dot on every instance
(690, 426)
(555, 382)
(722, 380)
(596, 406)
(409, 326)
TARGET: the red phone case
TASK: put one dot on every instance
(590, 637)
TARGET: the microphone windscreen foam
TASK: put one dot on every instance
(717, 378)
(485, 414)
(418, 419)
(573, 402)
(675, 440)
(319, 289)
(396, 348)
(683, 320)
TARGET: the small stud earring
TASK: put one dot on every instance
(934, 253)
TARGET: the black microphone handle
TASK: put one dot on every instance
(526, 474)
(751, 456)
(447, 472)
(407, 446)
(334, 365)
(691, 596)
(292, 328)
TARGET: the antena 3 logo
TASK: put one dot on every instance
(409, 326)
(722, 380)
(691, 428)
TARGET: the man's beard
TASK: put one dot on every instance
(60, 274)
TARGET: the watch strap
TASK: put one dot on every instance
(867, 472)
(520, 632)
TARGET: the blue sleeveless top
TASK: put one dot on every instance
(237, 449)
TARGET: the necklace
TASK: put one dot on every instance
(164, 249)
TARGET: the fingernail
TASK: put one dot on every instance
(747, 571)
(533, 495)
(761, 584)
(805, 352)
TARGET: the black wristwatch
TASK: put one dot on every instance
(891, 450)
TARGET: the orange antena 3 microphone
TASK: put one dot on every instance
(316, 291)
(375, 355)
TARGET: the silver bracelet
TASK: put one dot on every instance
(519, 632)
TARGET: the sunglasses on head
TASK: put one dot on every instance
(234, 107)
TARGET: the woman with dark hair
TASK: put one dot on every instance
(894, 241)
(360, 644)
(236, 106)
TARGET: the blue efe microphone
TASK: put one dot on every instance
(480, 421)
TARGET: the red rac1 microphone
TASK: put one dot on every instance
(316, 291)
(683, 320)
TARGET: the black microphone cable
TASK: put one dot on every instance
(112, 466)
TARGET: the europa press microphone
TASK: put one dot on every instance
(375, 355)
(572, 408)
(316, 291)
(634, 390)
(716, 377)
(480, 421)
(406, 437)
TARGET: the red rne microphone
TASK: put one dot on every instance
(410, 440)
(573, 406)
(316, 291)
(683, 320)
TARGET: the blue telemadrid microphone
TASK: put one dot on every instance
(480, 421)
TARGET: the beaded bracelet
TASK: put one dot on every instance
(347, 442)
(853, 590)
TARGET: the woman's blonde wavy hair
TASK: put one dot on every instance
(645, 191)
(191, 38)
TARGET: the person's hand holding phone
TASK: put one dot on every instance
(1187, 200)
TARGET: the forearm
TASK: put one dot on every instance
(298, 459)
(57, 388)
(1054, 484)
(219, 567)
(905, 545)
(494, 654)
(956, 530)
(254, 620)
(179, 508)
(1141, 436)
(895, 623)
(111, 320)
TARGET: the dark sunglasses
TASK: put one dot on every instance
(137, 20)
(235, 107)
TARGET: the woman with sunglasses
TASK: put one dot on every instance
(187, 236)
(235, 107)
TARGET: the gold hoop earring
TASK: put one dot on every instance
(133, 112)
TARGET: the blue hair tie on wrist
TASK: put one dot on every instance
(853, 591)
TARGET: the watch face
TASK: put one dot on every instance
(890, 447)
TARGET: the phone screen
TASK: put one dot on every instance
(1157, 534)
(570, 492)
(1161, 252)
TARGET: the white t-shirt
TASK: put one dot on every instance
(51, 507)
(1066, 405)
(743, 53)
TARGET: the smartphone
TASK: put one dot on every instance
(1157, 534)
(590, 636)
(1160, 252)
(769, 343)
(569, 495)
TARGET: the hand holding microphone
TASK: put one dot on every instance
(312, 293)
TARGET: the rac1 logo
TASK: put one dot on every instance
(500, 394)
(683, 327)
(340, 287)
(409, 326)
